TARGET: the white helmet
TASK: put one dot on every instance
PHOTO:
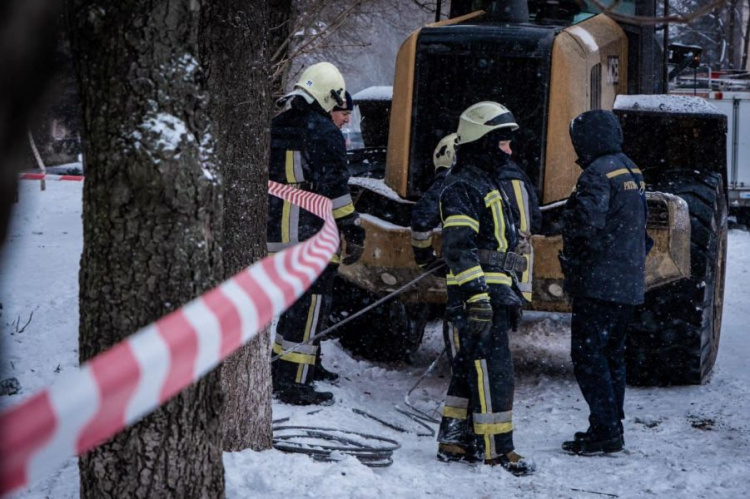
(482, 118)
(324, 83)
(445, 152)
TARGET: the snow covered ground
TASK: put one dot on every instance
(688, 442)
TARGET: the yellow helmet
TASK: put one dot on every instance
(445, 152)
(482, 118)
(324, 83)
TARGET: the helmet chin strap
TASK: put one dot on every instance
(337, 97)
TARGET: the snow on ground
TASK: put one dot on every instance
(688, 442)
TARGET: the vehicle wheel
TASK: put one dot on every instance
(391, 332)
(674, 337)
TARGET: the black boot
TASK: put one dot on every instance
(590, 444)
(513, 463)
(298, 394)
(457, 453)
(582, 435)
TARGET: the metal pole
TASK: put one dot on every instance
(437, 10)
(361, 312)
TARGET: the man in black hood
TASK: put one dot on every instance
(604, 261)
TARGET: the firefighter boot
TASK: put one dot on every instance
(513, 463)
(456, 453)
(297, 394)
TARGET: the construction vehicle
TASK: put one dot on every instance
(547, 61)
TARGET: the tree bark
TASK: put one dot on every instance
(234, 51)
(151, 228)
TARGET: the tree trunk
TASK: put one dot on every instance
(151, 228)
(235, 54)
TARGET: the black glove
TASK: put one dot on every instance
(354, 237)
(479, 317)
(423, 256)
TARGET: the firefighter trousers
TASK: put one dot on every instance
(303, 320)
(479, 402)
(598, 354)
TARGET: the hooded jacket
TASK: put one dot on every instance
(604, 220)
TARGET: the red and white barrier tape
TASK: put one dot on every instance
(120, 386)
(49, 176)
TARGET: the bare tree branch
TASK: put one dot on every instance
(651, 20)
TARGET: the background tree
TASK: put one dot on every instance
(234, 53)
(151, 228)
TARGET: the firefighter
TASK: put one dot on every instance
(308, 152)
(425, 215)
(604, 261)
(341, 115)
(479, 242)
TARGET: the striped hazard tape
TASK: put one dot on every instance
(120, 386)
(49, 176)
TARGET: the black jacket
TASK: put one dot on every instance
(307, 150)
(425, 216)
(476, 215)
(604, 220)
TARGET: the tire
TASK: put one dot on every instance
(391, 332)
(674, 336)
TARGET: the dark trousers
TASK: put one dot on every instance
(303, 320)
(479, 402)
(598, 354)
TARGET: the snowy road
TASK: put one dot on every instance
(690, 442)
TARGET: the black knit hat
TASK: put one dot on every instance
(348, 105)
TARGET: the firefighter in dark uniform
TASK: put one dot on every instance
(425, 215)
(604, 260)
(479, 242)
(308, 152)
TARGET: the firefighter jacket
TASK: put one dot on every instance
(425, 216)
(604, 220)
(307, 151)
(476, 216)
(523, 202)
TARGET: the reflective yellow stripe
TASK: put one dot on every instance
(289, 168)
(469, 275)
(492, 428)
(483, 405)
(497, 278)
(455, 412)
(450, 280)
(480, 384)
(425, 243)
(494, 201)
(286, 213)
(309, 326)
(524, 223)
(492, 197)
(295, 357)
(622, 171)
(478, 297)
(461, 221)
(343, 211)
